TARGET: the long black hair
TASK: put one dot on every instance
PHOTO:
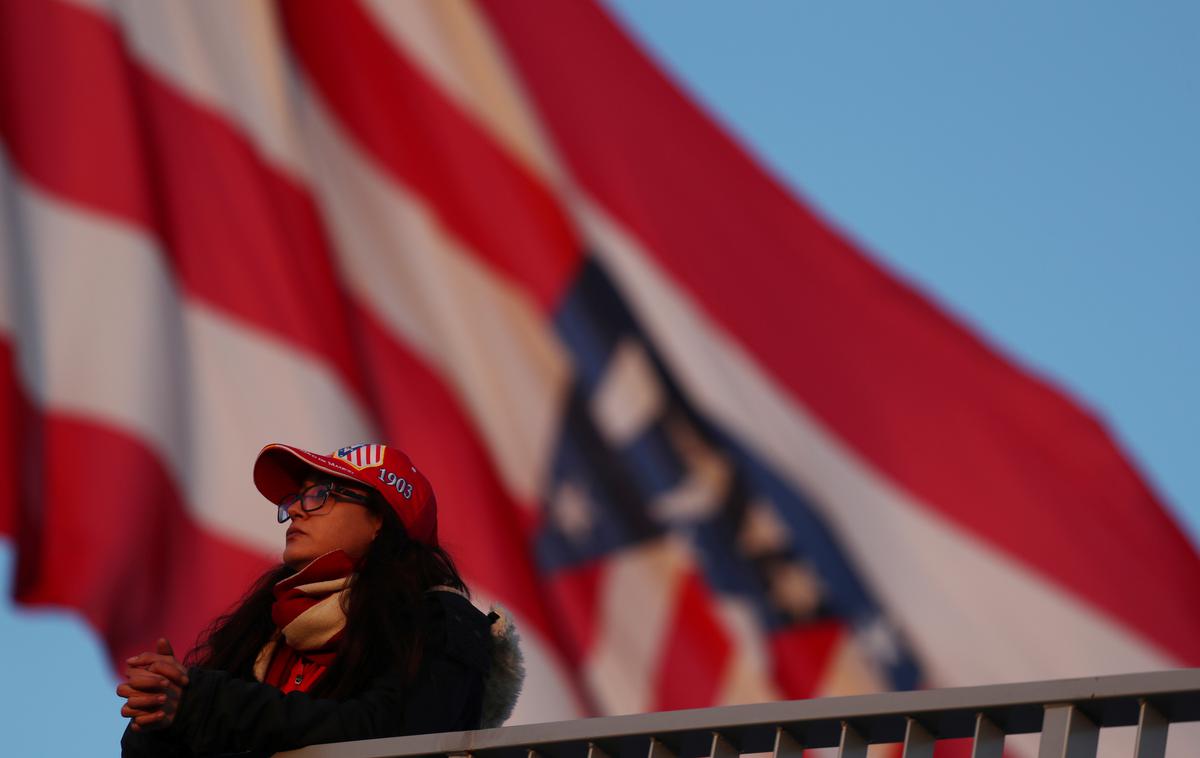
(385, 613)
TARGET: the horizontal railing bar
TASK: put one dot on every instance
(947, 713)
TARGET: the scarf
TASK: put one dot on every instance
(308, 611)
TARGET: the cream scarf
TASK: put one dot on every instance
(309, 611)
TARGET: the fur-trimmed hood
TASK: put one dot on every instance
(500, 658)
(502, 686)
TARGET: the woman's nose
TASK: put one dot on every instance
(294, 510)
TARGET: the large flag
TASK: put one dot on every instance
(704, 448)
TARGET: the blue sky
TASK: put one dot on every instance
(1033, 166)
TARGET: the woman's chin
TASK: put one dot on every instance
(296, 556)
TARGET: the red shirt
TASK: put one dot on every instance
(292, 671)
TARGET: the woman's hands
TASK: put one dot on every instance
(153, 684)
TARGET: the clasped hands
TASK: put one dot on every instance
(153, 684)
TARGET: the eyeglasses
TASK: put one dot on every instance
(313, 499)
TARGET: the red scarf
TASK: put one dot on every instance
(309, 615)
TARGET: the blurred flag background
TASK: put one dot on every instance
(702, 444)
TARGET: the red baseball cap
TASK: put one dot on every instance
(280, 471)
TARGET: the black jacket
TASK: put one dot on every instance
(220, 714)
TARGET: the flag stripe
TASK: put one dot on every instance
(418, 135)
(238, 234)
(83, 486)
(452, 44)
(801, 656)
(575, 594)
(43, 116)
(637, 597)
(113, 354)
(748, 677)
(696, 653)
(226, 57)
(970, 435)
(65, 481)
(21, 425)
(481, 334)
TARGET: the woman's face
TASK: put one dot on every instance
(339, 524)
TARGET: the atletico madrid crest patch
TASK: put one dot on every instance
(361, 456)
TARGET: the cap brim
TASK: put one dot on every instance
(280, 469)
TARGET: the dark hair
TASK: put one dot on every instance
(385, 613)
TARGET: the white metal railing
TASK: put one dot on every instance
(1068, 714)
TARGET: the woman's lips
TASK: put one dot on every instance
(294, 532)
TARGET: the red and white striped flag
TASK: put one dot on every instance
(706, 450)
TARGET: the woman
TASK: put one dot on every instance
(364, 631)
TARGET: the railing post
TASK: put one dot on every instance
(989, 740)
(786, 746)
(721, 747)
(593, 751)
(851, 744)
(1151, 733)
(659, 750)
(918, 743)
(1067, 733)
